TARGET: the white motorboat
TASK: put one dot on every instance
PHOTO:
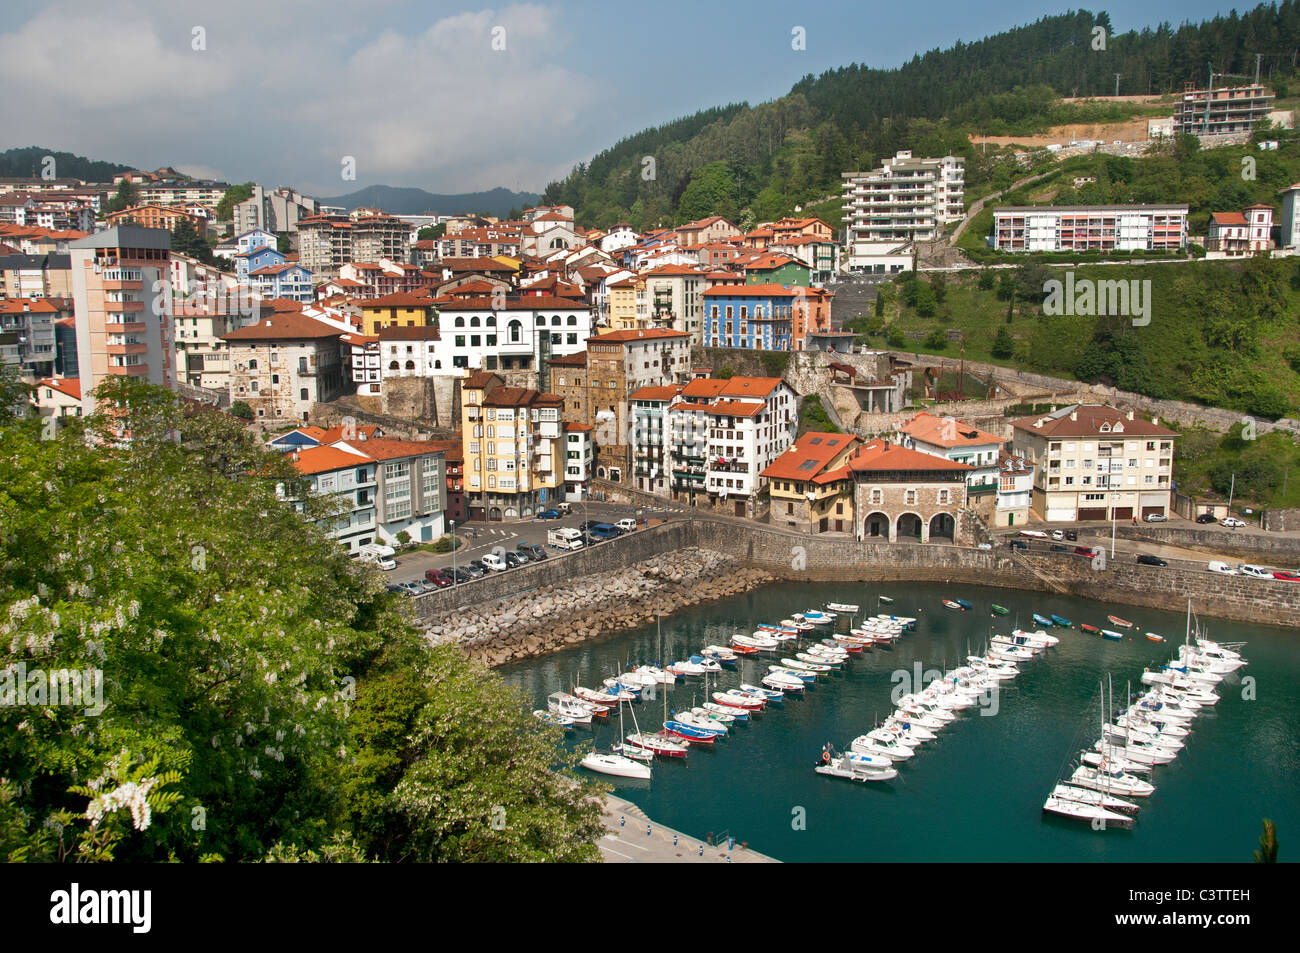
(797, 624)
(820, 661)
(759, 642)
(893, 749)
(566, 706)
(1121, 735)
(695, 721)
(734, 712)
(601, 698)
(617, 765)
(843, 767)
(657, 675)
(636, 679)
(924, 705)
(992, 667)
(1099, 818)
(910, 731)
(720, 717)
(1069, 792)
(739, 700)
(656, 744)
(688, 668)
(1114, 759)
(1038, 635)
(782, 682)
(842, 607)
(799, 665)
(622, 690)
(887, 736)
(1112, 779)
(1136, 752)
(553, 718)
(918, 717)
(770, 694)
(1136, 719)
(719, 654)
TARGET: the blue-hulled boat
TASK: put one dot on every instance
(964, 604)
(1113, 636)
(1043, 621)
(1063, 622)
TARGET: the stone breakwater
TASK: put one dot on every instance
(543, 620)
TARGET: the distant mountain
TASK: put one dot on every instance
(406, 201)
(27, 162)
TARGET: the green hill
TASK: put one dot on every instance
(760, 162)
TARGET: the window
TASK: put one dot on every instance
(275, 378)
(302, 394)
(302, 365)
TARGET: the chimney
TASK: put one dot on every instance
(1074, 415)
(1130, 415)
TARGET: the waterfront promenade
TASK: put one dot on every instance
(627, 841)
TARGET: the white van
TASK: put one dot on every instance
(567, 538)
(494, 562)
(1259, 572)
(1222, 568)
(627, 525)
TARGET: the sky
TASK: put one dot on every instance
(450, 97)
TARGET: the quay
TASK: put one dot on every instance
(627, 841)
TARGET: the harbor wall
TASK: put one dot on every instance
(1252, 546)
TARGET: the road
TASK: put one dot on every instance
(479, 539)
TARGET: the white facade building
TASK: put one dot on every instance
(905, 201)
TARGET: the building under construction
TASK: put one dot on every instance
(1225, 111)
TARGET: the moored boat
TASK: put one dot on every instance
(1122, 623)
(617, 765)
(1061, 621)
(950, 604)
(999, 610)
(1112, 635)
(1043, 621)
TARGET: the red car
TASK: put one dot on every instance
(438, 577)
(1288, 576)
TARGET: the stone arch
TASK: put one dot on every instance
(494, 513)
(943, 526)
(908, 528)
(876, 526)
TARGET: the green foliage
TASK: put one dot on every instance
(241, 410)
(28, 162)
(126, 196)
(434, 232)
(775, 362)
(403, 538)
(813, 417)
(1267, 853)
(444, 543)
(233, 196)
(1003, 344)
(265, 695)
(187, 241)
(935, 341)
(896, 338)
(725, 372)
(711, 191)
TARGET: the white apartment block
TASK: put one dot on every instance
(673, 297)
(724, 433)
(476, 334)
(1093, 462)
(650, 438)
(1047, 228)
(579, 454)
(906, 200)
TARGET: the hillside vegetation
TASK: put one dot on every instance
(760, 162)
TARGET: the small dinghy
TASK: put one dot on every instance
(1061, 621)
(1089, 628)
(659, 743)
(950, 604)
(1152, 637)
(1043, 621)
(1116, 620)
(1112, 635)
(842, 607)
(885, 599)
(553, 718)
(999, 610)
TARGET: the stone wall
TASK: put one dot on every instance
(1282, 521)
(411, 398)
(1250, 546)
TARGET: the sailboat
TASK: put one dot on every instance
(616, 763)
(1089, 798)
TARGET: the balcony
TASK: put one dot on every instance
(136, 347)
(130, 370)
(125, 327)
(116, 307)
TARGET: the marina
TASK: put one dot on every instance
(976, 792)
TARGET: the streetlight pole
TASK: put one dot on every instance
(1114, 498)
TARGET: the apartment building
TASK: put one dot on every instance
(723, 434)
(408, 351)
(1093, 462)
(36, 276)
(955, 440)
(651, 469)
(811, 486)
(618, 364)
(279, 210)
(514, 448)
(384, 487)
(1237, 234)
(398, 310)
(375, 279)
(1048, 228)
(764, 317)
(904, 201)
(485, 242)
(123, 324)
(903, 495)
(289, 281)
(579, 455)
(715, 228)
(284, 364)
(674, 296)
(1225, 111)
(1015, 490)
(198, 327)
(31, 321)
(502, 332)
(327, 242)
(156, 216)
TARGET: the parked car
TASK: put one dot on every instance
(459, 576)
(588, 524)
(1072, 535)
(1259, 572)
(626, 525)
(563, 507)
(589, 540)
(548, 515)
(383, 562)
(1088, 551)
(1058, 534)
(393, 587)
(1147, 560)
(1217, 565)
(1018, 544)
(1060, 549)
(985, 546)
(494, 562)
(1231, 521)
(1287, 575)
(476, 570)
(1156, 518)
(411, 588)
(439, 577)
(514, 559)
(532, 550)
(1206, 518)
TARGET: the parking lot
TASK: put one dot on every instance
(479, 539)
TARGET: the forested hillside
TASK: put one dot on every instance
(760, 162)
(29, 161)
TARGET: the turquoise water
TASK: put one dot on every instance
(976, 792)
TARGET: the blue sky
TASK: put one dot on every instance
(280, 91)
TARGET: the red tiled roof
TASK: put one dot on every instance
(809, 456)
(884, 455)
(323, 459)
(656, 393)
(1229, 218)
(760, 291)
(428, 332)
(283, 326)
(647, 334)
(1090, 419)
(71, 386)
(931, 429)
(398, 299)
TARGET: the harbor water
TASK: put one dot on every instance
(976, 792)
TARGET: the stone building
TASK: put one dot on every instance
(904, 495)
(283, 364)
